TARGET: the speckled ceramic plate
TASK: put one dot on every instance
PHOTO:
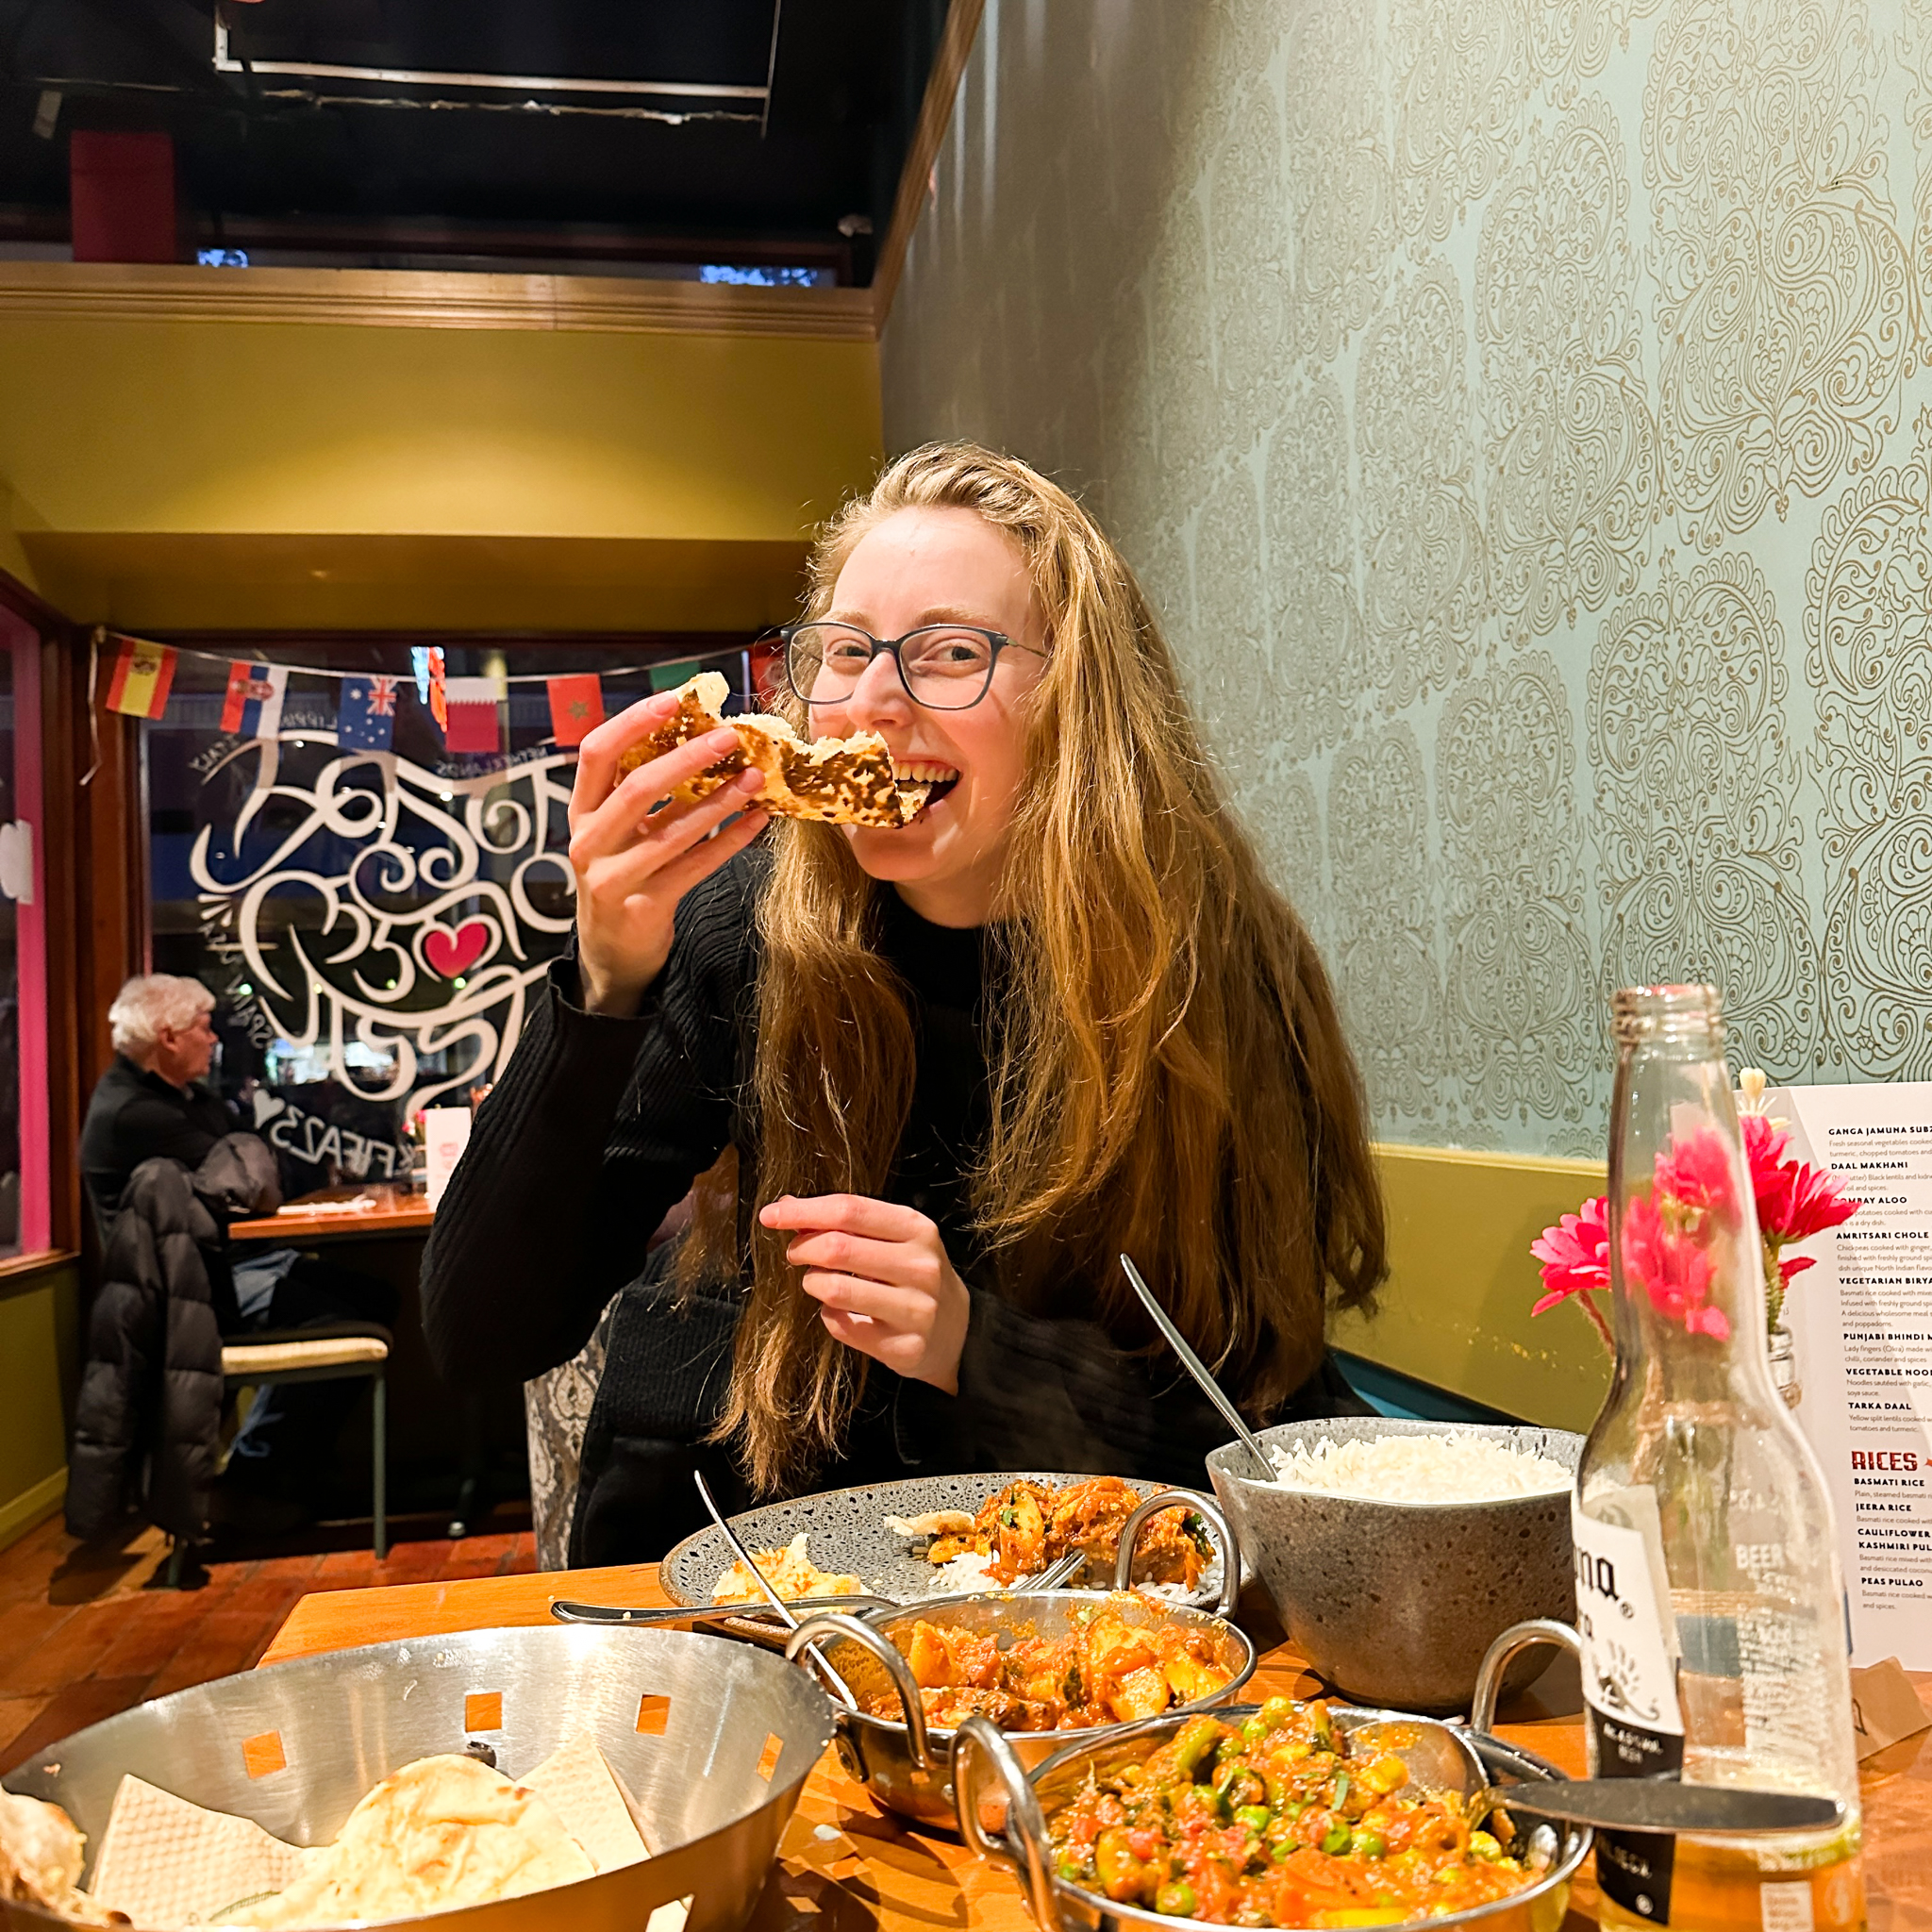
(847, 1534)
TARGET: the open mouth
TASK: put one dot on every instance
(939, 778)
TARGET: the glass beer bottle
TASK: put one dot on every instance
(1709, 1594)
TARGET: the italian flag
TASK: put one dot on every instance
(143, 672)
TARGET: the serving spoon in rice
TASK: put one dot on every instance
(1199, 1370)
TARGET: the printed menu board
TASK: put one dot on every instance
(1861, 1326)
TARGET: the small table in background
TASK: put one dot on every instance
(339, 1213)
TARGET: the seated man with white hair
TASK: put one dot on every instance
(151, 1102)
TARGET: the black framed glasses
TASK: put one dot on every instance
(945, 666)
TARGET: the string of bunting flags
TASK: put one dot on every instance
(464, 709)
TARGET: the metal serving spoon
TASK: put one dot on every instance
(1644, 1804)
(1198, 1369)
(569, 1611)
(770, 1596)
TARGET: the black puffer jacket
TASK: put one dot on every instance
(148, 1424)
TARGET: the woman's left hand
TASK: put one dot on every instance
(880, 1274)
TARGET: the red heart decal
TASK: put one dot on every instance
(450, 953)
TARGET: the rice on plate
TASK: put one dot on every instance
(1418, 1468)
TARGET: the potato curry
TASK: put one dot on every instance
(1107, 1670)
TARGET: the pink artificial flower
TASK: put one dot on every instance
(1576, 1254)
(1697, 1171)
(1795, 1200)
(1673, 1270)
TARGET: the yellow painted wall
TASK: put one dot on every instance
(587, 461)
(1456, 1310)
(38, 1320)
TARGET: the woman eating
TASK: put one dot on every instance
(922, 1084)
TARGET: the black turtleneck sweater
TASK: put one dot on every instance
(600, 1126)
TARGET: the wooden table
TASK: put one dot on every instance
(844, 1865)
(324, 1216)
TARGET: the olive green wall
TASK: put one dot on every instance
(37, 1323)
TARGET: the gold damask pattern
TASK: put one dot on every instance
(1785, 302)
(1510, 408)
(1341, 174)
(1422, 527)
(1461, 82)
(1383, 953)
(1868, 654)
(1698, 839)
(1573, 488)
(1521, 999)
(1316, 622)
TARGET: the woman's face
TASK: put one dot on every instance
(938, 566)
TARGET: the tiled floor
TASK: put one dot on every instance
(84, 1635)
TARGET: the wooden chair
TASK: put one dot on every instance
(329, 1351)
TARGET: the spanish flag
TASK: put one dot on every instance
(143, 672)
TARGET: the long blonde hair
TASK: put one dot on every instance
(1168, 1071)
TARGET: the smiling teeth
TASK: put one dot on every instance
(923, 771)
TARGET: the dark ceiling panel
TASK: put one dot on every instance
(615, 40)
(311, 153)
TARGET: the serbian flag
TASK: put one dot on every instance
(366, 718)
(253, 707)
(472, 705)
(142, 676)
(576, 706)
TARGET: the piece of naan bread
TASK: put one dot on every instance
(933, 1522)
(845, 781)
(41, 1851)
(439, 1834)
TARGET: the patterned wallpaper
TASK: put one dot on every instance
(1522, 417)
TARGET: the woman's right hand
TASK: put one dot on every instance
(633, 864)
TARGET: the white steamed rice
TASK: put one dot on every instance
(1419, 1468)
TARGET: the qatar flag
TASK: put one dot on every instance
(472, 705)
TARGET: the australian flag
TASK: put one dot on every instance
(366, 720)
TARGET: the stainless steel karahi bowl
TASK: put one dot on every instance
(904, 1763)
(1396, 1603)
(996, 1793)
(712, 1738)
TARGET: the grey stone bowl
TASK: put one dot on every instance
(1395, 1603)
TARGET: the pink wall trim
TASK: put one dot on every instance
(36, 1156)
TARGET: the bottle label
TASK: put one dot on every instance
(1630, 1687)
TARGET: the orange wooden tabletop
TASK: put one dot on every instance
(847, 1866)
(337, 1213)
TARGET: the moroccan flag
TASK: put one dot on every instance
(576, 706)
(142, 676)
(253, 707)
(472, 725)
(366, 718)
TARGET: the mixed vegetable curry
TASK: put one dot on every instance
(1273, 1822)
(1026, 1526)
(1107, 1670)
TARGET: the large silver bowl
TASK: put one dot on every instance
(906, 1763)
(997, 1793)
(1396, 1604)
(717, 1784)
